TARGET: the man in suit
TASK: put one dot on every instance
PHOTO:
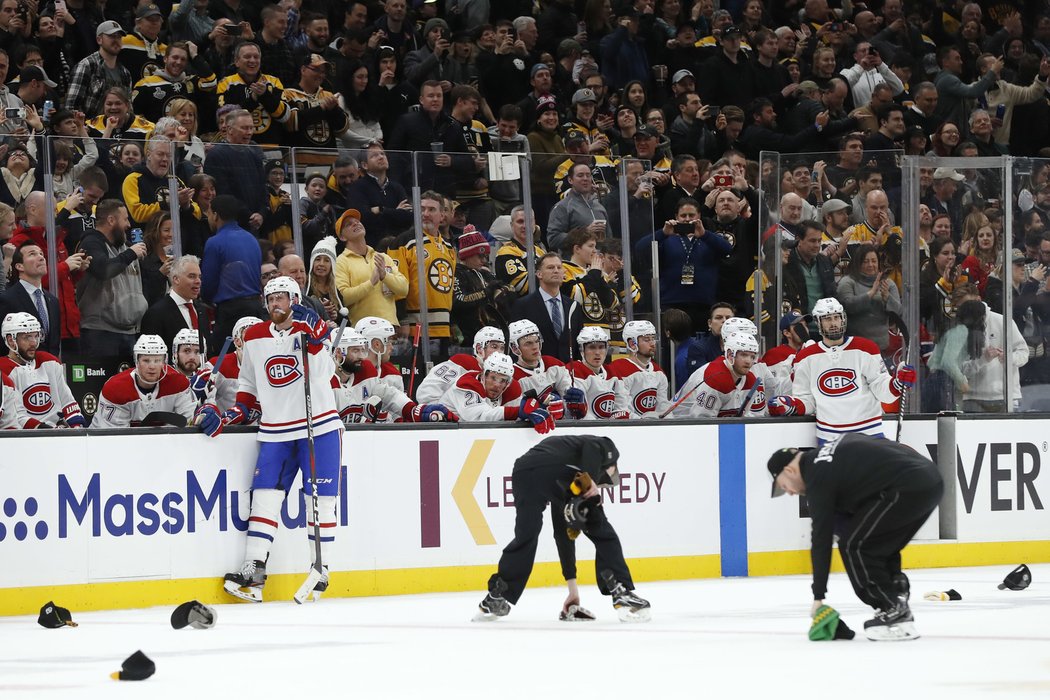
(181, 307)
(549, 309)
(27, 294)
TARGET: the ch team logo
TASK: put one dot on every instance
(604, 405)
(37, 399)
(837, 382)
(441, 275)
(758, 404)
(645, 401)
(282, 370)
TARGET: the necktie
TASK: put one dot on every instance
(41, 308)
(556, 316)
(193, 315)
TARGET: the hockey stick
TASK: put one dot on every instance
(415, 354)
(316, 572)
(572, 343)
(345, 313)
(905, 347)
(747, 399)
(219, 360)
(682, 400)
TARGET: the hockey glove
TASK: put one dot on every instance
(199, 383)
(785, 406)
(541, 420)
(581, 484)
(576, 402)
(308, 322)
(372, 410)
(433, 412)
(905, 379)
(212, 422)
(556, 407)
(76, 421)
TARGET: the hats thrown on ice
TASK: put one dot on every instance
(194, 614)
(53, 617)
(137, 667)
(1018, 579)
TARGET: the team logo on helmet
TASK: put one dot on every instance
(604, 405)
(837, 382)
(37, 399)
(645, 401)
(282, 370)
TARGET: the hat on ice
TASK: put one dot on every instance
(1018, 579)
(53, 617)
(194, 614)
(137, 667)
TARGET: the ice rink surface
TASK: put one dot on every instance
(734, 636)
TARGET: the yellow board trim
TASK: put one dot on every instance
(463, 492)
(143, 594)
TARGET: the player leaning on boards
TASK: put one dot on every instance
(272, 377)
(565, 471)
(875, 494)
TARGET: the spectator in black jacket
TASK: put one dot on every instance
(237, 167)
(726, 78)
(417, 130)
(383, 203)
(763, 136)
(805, 262)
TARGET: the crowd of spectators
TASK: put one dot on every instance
(176, 123)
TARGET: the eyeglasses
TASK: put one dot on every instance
(654, 118)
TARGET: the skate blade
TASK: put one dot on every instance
(631, 615)
(484, 617)
(250, 595)
(576, 613)
(901, 632)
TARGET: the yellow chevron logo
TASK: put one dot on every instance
(463, 492)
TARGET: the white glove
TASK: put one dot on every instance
(815, 607)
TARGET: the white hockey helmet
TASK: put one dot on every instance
(739, 342)
(19, 322)
(592, 334)
(499, 363)
(150, 345)
(374, 327)
(243, 324)
(186, 336)
(351, 339)
(632, 330)
(283, 284)
(488, 334)
(521, 329)
(829, 307)
(738, 324)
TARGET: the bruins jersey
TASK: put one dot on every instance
(140, 56)
(138, 128)
(145, 194)
(604, 170)
(152, 94)
(269, 111)
(512, 266)
(308, 123)
(439, 259)
(865, 233)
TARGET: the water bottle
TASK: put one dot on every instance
(48, 106)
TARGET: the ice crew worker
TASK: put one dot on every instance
(545, 475)
(880, 493)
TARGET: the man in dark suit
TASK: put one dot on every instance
(549, 309)
(181, 306)
(27, 295)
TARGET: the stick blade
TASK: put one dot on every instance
(307, 588)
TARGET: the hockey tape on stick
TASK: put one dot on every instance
(317, 571)
(345, 313)
(747, 399)
(572, 343)
(415, 354)
(905, 347)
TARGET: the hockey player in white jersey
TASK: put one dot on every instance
(493, 394)
(43, 397)
(644, 383)
(841, 379)
(220, 384)
(740, 324)
(380, 334)
(363, 397)
(151, 386)
(187, 353)
(594, 393)
(445, 375)
(726, 386)
(272, 376)
(539, 375)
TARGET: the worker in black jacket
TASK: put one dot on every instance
(875, 494)
(565, 471)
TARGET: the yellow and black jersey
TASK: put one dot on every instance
(604, 170)
(439, 259)
(138, 128)
(269, 111)
(152, 94)
(145, 194)
(475, 141)
(140, 56)
(512, 265)
(310, 125)
(711, 42)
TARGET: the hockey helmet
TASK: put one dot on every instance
(740, 324)
(283, 284)
(592, 334)
(633, 330)
(829, 307)
(243, 324)
(186, 336)
(488, 334)
(352, 339)
(500, 364)
(739, 342)
(19, 322)
(521, 329)
(149, 345)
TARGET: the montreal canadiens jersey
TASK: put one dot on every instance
(9, 419)
(720, 393)
(364, 384)
(44, 396)
(444, 377)
(548, 377)
(603, 393)
(778, 362)
(122, 404)
(470, 402)
(391, 375)
(844, 386)
(272, 375)
(646, 387)
(226, 380)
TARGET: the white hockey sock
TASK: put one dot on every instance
(326, 511)
(262, 523)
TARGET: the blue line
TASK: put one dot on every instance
(732, 499)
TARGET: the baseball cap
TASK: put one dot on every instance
(834, 205)
(109, 27)
(915, 130)
(316, 60)
(137, 667)
(731, 30)
(1018, 579)
(947, 173)
(1018, 256)
(777, 461)
(646, 131)
(193, 614)
(790, 319)
(681, 75)
(584, 95)
(537, 68)
(574, 135)
(35, 73)
(348, 214)
(53, 617)
(149, 10)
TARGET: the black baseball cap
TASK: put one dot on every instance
(777, 461)
(1018, 579)
(54, 617)
(193, 614)
(137, 667)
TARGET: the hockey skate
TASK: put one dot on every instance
(629, 606)
(247, 584)
(494, 605)
(893, 625)
(576, 613)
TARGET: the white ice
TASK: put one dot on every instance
(707, 637)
